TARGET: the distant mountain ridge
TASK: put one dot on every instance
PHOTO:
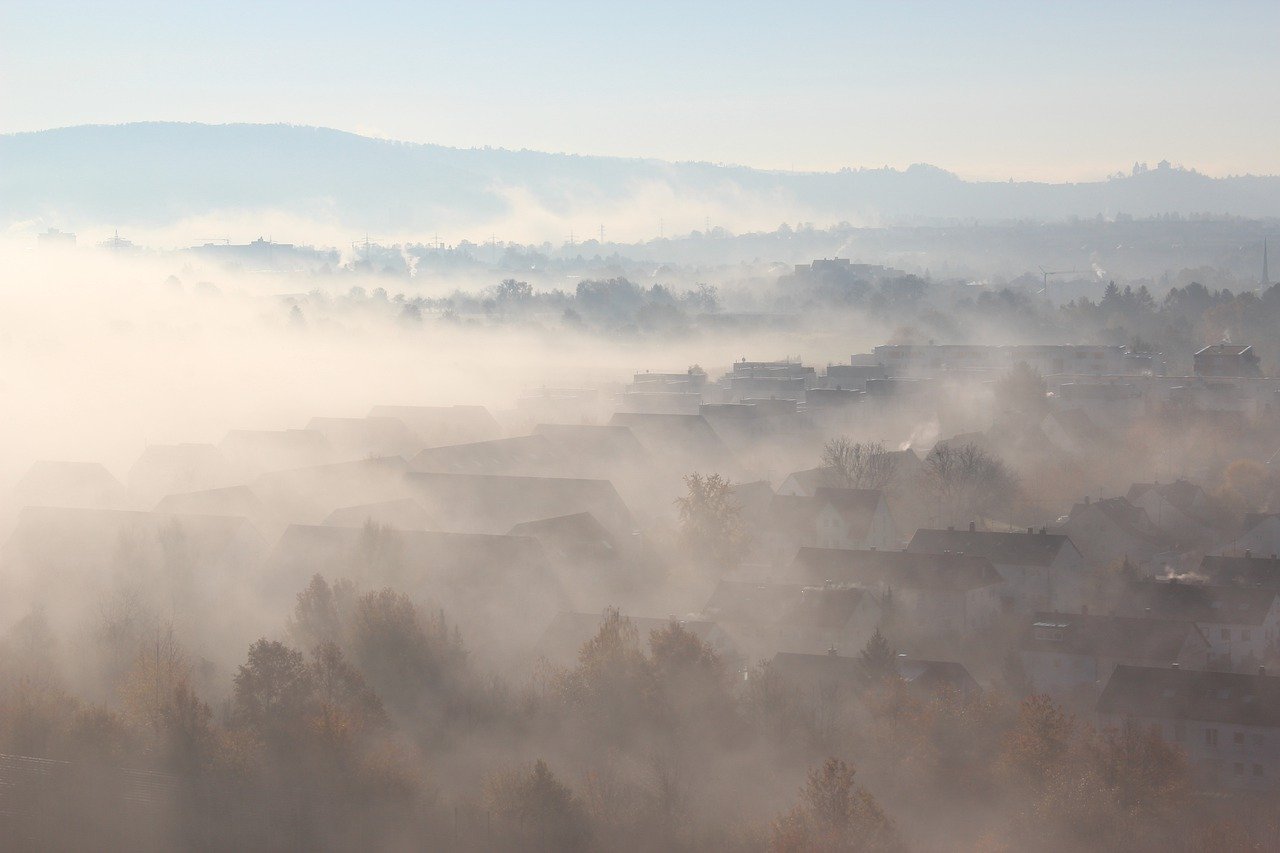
(158, 173)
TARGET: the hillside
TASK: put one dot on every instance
(158, 173)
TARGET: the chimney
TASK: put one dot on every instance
(1043, 531)
(1248, 554)
(1174, 665)
(951, 528)
(1086, 500)
(832, 651)
(972, 527)
(1262, 670)
(1030, 531)
(1084, 610)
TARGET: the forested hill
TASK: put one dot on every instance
(156, 173)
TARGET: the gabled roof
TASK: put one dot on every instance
(846, 671)
(1184, 694)
(1196, 602)
(82, 541)
(743, 601)
(1249, 572)
(783, 604)
(528, 455)
(578, 534)
(402, 514)
(1078, 427)
(60, 483)
(232, 500)
(1132, 520)
(493, 503)
(823, 607)
(359, 437)
(309, 494)
(856, 507)
(440, 425)
(1002, 549)
(170, 468)
(1157, 641)
(610, 445)
(1225, 349)
(1182, 494)
(275, 450)
(689, 436)
(902, 569)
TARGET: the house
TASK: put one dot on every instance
(830, 679)
(502, 588)
(87, 485)
(1245, 571)
(564, 638)
(905, 464)
(524, 456)
(1074, 431)
(1227, 724)
(1069, 654)
(1042, 570)
(436, 426)
(681, 442)
(599, 451)
(360, 438)
(400, 514)
(1110, 530)
(832, 518)
(1228, 360)
(307, 495)
(258, 451)
(1242, 624)
(165, 469)
(198, 570)
(933, 593)
(1178, 509)
(483, 503)
(1261, 535)
(233, 501)
(577, 537)
(764, 618)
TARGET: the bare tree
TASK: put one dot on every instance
(858, 465)
(968, 480)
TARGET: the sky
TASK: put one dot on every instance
(989, 90)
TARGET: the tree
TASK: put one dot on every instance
(877, 660)
(710, 522)
(273, 689)
(160, 667)
(968, 480)
(856, 465)
(315, 616)
(345, 703)
(1022, 391)
(834, 814)
(537, 810)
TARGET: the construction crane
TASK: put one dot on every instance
(1046, 273)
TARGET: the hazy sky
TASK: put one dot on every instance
(1068, 90)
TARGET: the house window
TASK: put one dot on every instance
(1225, 634)
(1239, 738)
(1257, 770)
(1211, 737)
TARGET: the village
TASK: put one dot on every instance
(1057, 520)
